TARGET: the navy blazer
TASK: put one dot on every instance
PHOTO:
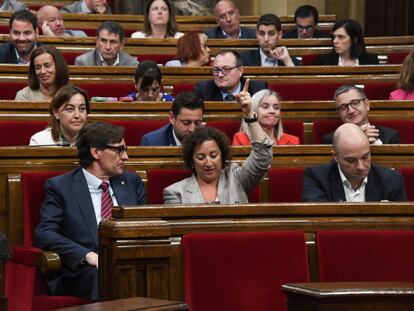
(8, 54)
(293, 34)
(333, 58)
(322, 183)
(387, 136)
(252, 58)
(217, 33)
(208, 90)
(67, 223)
(161, 137)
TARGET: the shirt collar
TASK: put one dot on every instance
(235, 92)
(19, 59)
(92, 181)
(227, 36)
(85, 8)
(346, 183)
(104, 63)
(267, 61)
(341, 61)
(177, 141)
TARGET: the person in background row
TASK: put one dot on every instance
(405, 86)
(349, 46)
(68, 112)
(11, 6)
(185, 117)
(110, 40)
(192, 50)
(215, 180)
(23, 38)
(227, 80)
(269, 33)
(88, 7)
(228, 21)
(50, 20)
(350, 177)
(266, 107)
(148, 83)
(48, 72)
(159, 21)
(76, 202)
(306, 20)
(352, 106)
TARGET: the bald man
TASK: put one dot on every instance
(50, 20)
(350, 176)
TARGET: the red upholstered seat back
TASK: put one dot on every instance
(408, 174)
(242, 271)
(308, 60)
(379, 90)
(285, 184)
(323, 127)
(134, 130)
(181, 87)
(70, 56)
(158, 179)
(306, 91)
(229, 127)
(366, 256)
(21, 131)
(396, 57)
(108, 89)
(293, 127)
(10, 88)
(158, 58)
(33, 196)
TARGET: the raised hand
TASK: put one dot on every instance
(46, 30)
(245, 100)
(281, 53)
(371, 131)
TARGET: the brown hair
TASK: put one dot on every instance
(406, 81)
(171, 24)
(61, 98)
(189, 47)
(62, 71)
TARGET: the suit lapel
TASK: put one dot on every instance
(222, 194)
(119, 186)
(336, 187)
(84, 200)
(192, 192)
(372, 189)
(257, 59)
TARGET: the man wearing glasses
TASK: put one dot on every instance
(228, 21)
(352, 105)
(350, 176)
(306, 19)
(76, 202)
(269, 33)
(227, 80)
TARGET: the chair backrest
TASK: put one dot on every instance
(379, 90)
(408, 174)
(306, 91)
(294, 127)
(181, 87)
(158, 58)
(308, 60)
(71, 56)
(108, 89)
(134, 130)
(9, 89)
(323, 127)
(33, 196)
(285, 184)
(243, 270)
(396, 57)
(404, 127)
(365, 256)
(20, 131)
(229, 127)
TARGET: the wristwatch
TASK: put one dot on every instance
(252, 120)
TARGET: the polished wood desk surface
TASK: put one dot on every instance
(347, 296)
(132, 304)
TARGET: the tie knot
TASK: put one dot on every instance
(271, 61)
(104, 186)
(229, 97)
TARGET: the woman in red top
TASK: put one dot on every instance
(267, 107)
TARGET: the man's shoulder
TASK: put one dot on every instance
(213, 33)
(157, 137)
(247, 33)
(321, 34)
(385, 172)
(127, 60)
(321, 170)
(250, 57)
(292, 34)
(75, 7)
(85, 59)
(5, 51)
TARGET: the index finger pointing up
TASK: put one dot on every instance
(246, 86)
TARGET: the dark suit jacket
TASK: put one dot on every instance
(161, 137)
(217, 33)
(7, 53)
(332, 59)
(387, 136)
(322, 183)
(67, 219)
(293, 34)
(252, 58)
(208, 90)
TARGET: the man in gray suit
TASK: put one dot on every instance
(11, 6)
(110, 39)
(88, 7)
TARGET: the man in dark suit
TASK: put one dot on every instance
(228, 20)
(23, 38)
(306, 20)
(186, 115)
(88, 7)
(227, 80)
(269, 33)
(353, 106)
(350, 177)
(76, 202)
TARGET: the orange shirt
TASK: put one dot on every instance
(241, 139)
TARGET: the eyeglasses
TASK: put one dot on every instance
(355, 103)
(118, 149)
(307, 28)
(224, 70)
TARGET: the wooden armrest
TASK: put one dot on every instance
(49, 262)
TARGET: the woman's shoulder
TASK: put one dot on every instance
(173, 63)
(288, 139)
(178, 35)
(241, 139)
(401, 94)
(43, 137)
(167, 97)
(138, 34)
(23, 94)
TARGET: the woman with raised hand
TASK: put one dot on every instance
(215, 179)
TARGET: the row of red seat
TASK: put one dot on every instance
(134, 130)
(288, 91)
